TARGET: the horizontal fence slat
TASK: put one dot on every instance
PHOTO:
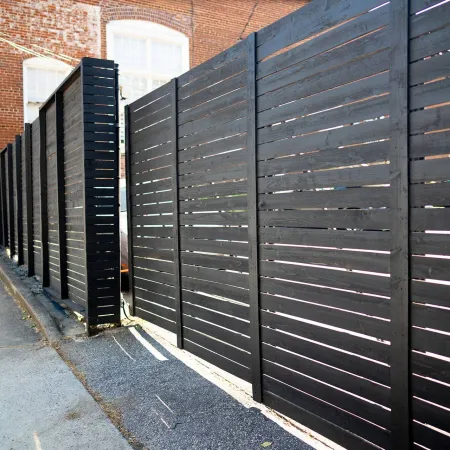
(215, 275)
(218, 289)
(218, 360)
(216, 311)
(235, 339)
(370, 370)
(343, 380)
(315, 421)
(354, 405)
(343, 419)
(356, 302)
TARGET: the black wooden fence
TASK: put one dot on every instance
(59, 193)
(287, 217)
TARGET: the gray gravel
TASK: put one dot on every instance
(165, 404)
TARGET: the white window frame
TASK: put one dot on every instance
(39, 63)
(150, 32)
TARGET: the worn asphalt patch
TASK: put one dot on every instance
(16, 328)
(165, 404)
(42, 404)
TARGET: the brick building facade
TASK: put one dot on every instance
(71, 29)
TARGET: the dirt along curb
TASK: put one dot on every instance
(34, 305)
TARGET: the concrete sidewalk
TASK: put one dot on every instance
(42, 404)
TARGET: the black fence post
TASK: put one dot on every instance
(4, 199)
(99, 92)
(117, 168)
(43, 192)
(252, 201)
(400, 262)
(29, 198)
(129, 207)
(9, 162)
(176, 224)
(2, 227)
(62, 238)
(19, 206)
(84, 220)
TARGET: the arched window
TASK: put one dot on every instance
(41, 76)
(149, 55)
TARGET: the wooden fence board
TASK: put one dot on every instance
(326, 411)
(330, 355)
(4, 198)
(346, 32)
(335, 57)
(359, 386)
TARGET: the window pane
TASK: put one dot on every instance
(133, 87)
(130, 52)
(32, 85)
(166, 58)
(158, 83)
(42, 82)
(32, 111)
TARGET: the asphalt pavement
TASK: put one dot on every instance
(43, 406)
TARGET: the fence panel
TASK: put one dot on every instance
(429, 93)
(151, 237)
(14, 246)
(73, 180)
(10, 198)
(23, 174)
(36, 199)
(2, 236)
(212, 126)
(324, 182)
(101, 190)
(24, 199)
(17, 188)
(4, 197)
(52, 200)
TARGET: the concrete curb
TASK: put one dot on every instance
(30, 302)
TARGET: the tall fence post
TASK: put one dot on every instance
(252, 199)
(19, 210)
(176, 219)
(98, 79)
(4, 198)
(85, 242)
(129, 207)
(2, 224)
(62, 238)
(9, 162)
(43, 195)
(400, 263)
(29, 198)
(2, 240)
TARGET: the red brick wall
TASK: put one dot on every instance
(77, 28)
(122, 166)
